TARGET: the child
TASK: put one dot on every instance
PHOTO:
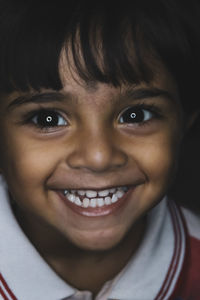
(95, 101)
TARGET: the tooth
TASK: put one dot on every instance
(86, 202)
(78, 201)
(71, 197)
(103, 193)
(81, 193)
(107, 200)
(93, 202)
(114, 198)
(124, 188)
(91, 194)
(112, 190)
(100, 202)
(119, 194)
(65, 192)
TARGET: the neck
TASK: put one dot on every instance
(83, 269)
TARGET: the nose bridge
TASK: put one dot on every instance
(97, 150)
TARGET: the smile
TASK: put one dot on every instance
(94, 199)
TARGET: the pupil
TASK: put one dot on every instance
(48, 119)
(131, 116)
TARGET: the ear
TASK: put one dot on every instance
(192, 119)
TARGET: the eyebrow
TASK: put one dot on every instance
(143, 93)
(40, 98)
(51, 97)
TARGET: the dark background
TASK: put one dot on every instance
(186, 189)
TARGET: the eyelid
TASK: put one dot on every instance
(152, 108)
(28, 116)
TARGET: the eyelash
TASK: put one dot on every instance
(29, 118)
(150, 108)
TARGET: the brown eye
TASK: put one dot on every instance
(135, 115)
(45, 118)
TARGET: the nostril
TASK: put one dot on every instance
(97, 158)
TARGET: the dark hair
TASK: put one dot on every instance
(125, 36)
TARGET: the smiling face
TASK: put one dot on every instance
(90, 161)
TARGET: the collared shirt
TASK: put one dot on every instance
(153, 273)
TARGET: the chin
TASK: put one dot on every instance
(97, 247)
(99, 243)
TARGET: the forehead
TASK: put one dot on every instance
(77, 92)
(73, 83)
(76, 88)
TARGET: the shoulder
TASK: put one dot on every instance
(188, 285)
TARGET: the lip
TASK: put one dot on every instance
(98, 211)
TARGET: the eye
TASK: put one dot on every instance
(48, 118)
(135, 115)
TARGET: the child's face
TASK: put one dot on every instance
(99, 137)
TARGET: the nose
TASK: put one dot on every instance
(97, 152)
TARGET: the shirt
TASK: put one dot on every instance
(165, 266)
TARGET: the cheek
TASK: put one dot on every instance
(158, 158)
(26, 166)
(25, 162)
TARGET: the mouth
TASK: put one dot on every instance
(95, 202)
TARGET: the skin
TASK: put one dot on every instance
(92, 150)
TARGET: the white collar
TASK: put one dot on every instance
(24, 270)
(151, 273)
(154, 270)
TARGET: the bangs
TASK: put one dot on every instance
(109, 42)
(103, 43)
(106, 46)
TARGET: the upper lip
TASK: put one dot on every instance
(60, 184)
(93, 188)
(98, 189)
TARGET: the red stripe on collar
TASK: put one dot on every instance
(176, 262)
(5, 291)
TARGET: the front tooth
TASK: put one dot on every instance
(93, 202)
(86, 202)
(71, 197)
(100, 202)
(78, 201)
(91, 194)
(119, 194)
(103, 193)
(114, 198)
(107, 200)
(81, 193)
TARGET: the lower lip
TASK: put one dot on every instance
(98, 211)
